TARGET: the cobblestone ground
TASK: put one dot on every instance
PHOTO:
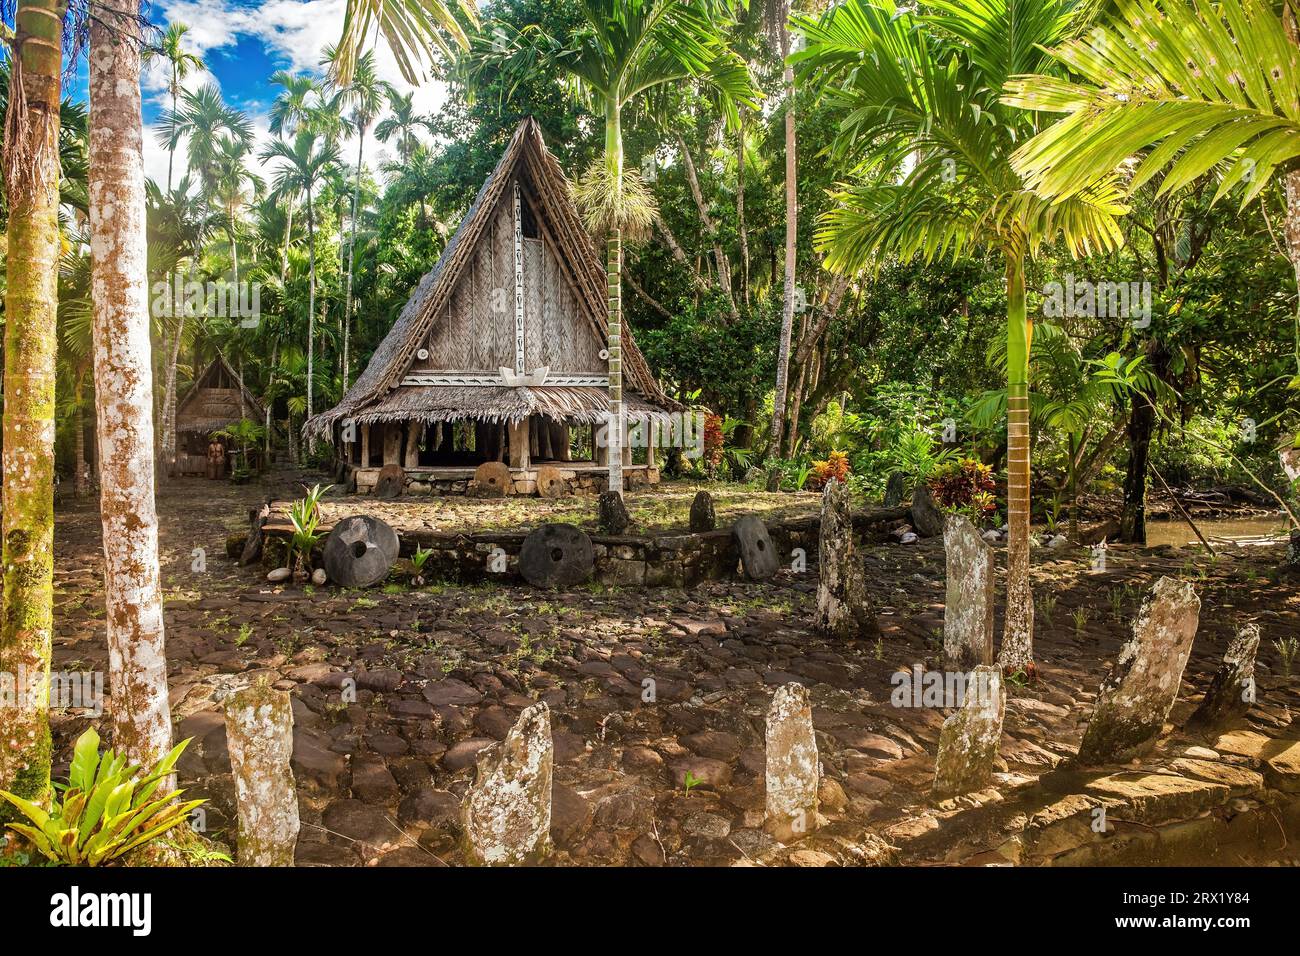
(443, 670)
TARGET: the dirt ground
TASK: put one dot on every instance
(444, 670)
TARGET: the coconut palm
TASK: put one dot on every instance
(180, 63)
(403, 124)
(293, 105)
(624, 50)
(31, 300)
(930, 145)
(303, 166)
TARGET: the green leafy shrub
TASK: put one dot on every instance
(107, 809)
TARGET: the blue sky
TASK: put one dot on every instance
(243, 42)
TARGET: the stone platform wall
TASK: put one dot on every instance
(581, 482)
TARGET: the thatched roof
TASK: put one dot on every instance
(378, 395)
(208, 407)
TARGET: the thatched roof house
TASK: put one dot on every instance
(500, 353)
(215, 401)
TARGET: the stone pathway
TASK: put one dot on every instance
(659, 697)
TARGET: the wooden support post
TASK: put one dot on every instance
(599, 446)
(519, 450)
(652, 427)
(365, 446)
(414, 432)
(560, 441)
(392, 443)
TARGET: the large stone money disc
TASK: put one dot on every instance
(360, 551)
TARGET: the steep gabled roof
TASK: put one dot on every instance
(210, 423)
(395, 353)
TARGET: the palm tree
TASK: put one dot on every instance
(235, 186)
(624, 50)
(142, 727)
(204, 118)
(31, 301)
(930, 145)
(181, 223)
(413, 31)
(365, 94)
(404, 123)
(777, 15)
(180, 63)
(294, 104)
(304, 164)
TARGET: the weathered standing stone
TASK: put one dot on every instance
(556, 556)
(1136, 697)
(507, 812)
(391, 482)
(359, 552)
(968, 608)
(793, 770)
(703, 515)
(1232, 690)
(252, 552)
(969, 739)
(927, 519)
(259, 735)
(757, 553)
(843, 609)
(895, 489)
(612, 512)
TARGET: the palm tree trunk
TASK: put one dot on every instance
(142, 727)
(311, 300)
(614, 308)
(352, 243)
(288, 237)
(31, 301)
(741, 230)
(791, 248)
(1017, 651)
(168, 450)
(80, 486)
(171, 151)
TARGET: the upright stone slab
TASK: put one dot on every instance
(391, 481)
(793, 770)
(259, 734)
(1232, 690)
(927, 519)
(968, 608)
(507, 811)
(612, 512)
(843, 609)
(757, 553)
(969, 739)
(895, 489)
(1136, 697)
(703, 515)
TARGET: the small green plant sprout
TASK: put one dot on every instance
(418, 561)
(1288, 647)
(304, 515)
(691, 781)
(1117, 598)
(1046, 607)
(107, 809)
(1020, 678)
(1080, 616)
(245, 634)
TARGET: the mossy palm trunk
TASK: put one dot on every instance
(123, 383)
(1017, 651)
(614, 308)
(31, 301)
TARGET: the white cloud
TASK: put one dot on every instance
(293, 31)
